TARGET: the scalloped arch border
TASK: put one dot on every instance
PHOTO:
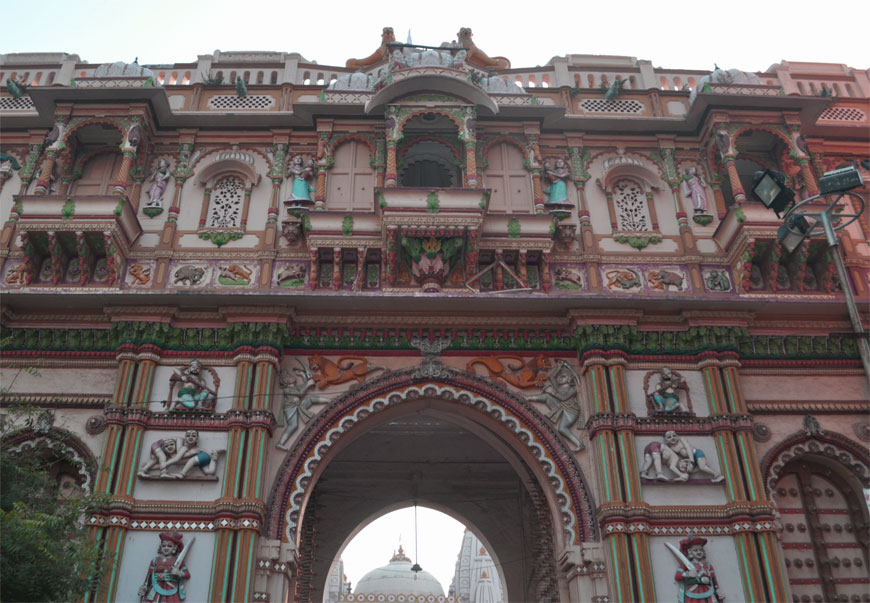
(62, 441)
(849, 454)
(532, 431)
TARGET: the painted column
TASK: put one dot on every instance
(809, 177)
(167, 237)
(734, 179)
(617, 466)
(251, 488)
(758, 553)
(719, 199)
(471, 179)
(43, 183)
(120, 186)
(119, 461)
(391, 177)
(226, 541)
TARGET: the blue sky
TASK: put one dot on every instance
(676, 34)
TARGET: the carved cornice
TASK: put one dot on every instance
(735, 511)
(182, 421)
(658, 425)
(802, 407)
(57, 400)
(182, 516)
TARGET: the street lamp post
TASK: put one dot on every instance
(801, 222)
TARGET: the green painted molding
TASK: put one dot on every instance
(588, 337)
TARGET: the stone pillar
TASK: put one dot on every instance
(734, 179)
(120, 186)
(615, 454)
(392, 177)
(43, 183)
(336, 268)
(471, 179)
(809, 177)
(721, 208)
(758, 552)
(167, 237)
(234, 568)
(122, 448)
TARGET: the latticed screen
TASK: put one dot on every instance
(630, 203)
(225, 209)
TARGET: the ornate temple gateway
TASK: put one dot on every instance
(250, 280)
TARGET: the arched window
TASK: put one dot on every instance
(824, 538)
(98, 174)
(508, 179)
(351, 180)
(430, 164)
(226, 203)
(630, 205)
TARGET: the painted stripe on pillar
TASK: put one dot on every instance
(617, 552)
(772, 566)
(750, 466)
(135, 448)
(726, 463)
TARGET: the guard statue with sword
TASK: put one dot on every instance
(164, 582)
(696, 579)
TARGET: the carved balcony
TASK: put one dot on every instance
(76, 240)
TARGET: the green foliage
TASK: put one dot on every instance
(638, 241)
(68, 209)
(46, 552)
(432, 203)
(347, 225)
(220, 238)
(741, 217)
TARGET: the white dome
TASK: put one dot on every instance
(396, 578)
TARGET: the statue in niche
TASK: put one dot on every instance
(561, 394)
(665, 396)
(164, 582)
(301, 173)
(159, 180)
(558, 177)
(194, 393)
(680, 458)
(173, 451)
(694, 187)
(696, 578)
(296, 400)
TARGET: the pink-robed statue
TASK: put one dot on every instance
(695, 187)
(164, 582)
(160, 178)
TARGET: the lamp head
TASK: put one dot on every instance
(768, 186)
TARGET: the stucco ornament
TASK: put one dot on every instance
(194, 392)
(301, 172)
(167, 572)
(695, 188)
(159, 180)
(666, 391)
(561, 394)
(680, 458)
(168, 452)
(296, 400)
(695, 577)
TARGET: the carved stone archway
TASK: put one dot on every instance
(554, 491)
